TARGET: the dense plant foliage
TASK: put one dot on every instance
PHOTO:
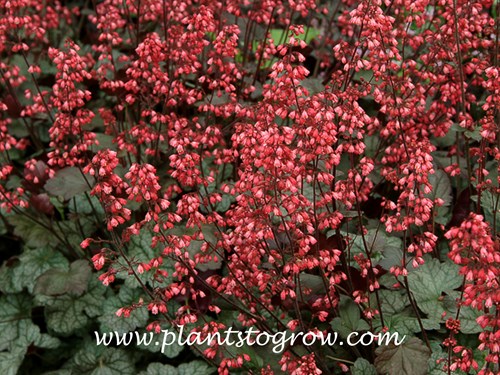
(298, 166)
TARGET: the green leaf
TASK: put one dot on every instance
(139, 248)
(468, 320)
(86, 204)
(443, 160)
(105, 142)
(492, 168)
(278, 35)
(350, 318)
(93, 298)
(15, 319)
(406, 324)
(7, 285)
(468, 315)
(225, 203)
(159, 369)
(109, 321)
(490, 204)
(59, 372)
(30, 265)
(447, 140)
(312, 193)
(195, 248)
(379, 244)
(313, 84)
(69, 182)
(388, 281)
(195, 367)
(18, 332)
(363, 367)
(429, 282)
(65, 315)
(10, 362)
(190, 368)
(435, 368)
(441, 188)
(57, 282)
(32, 233)
(409, 358)
(47, 342)
(31, 335)
(74, 230)
(18, 129)
(313, 282)
(474, 134)
(3, 228)
(169, 351)
(68, 313)
(100, 360)
(367, 75)
(392, 302)
(393, 257)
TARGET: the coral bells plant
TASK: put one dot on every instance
(306, 167)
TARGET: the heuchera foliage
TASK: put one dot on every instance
(289, 165)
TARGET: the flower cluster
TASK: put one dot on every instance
(68, 138)
(472, 247)
(109, 186)
(283, 164)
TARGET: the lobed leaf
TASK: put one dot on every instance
(409, 358)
